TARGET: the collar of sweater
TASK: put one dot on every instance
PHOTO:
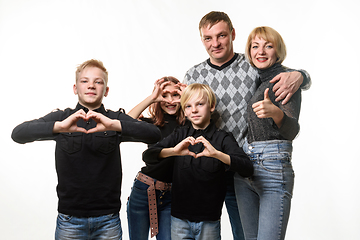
(269, 73)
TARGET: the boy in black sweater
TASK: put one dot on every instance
(87, 156)
(201, 154)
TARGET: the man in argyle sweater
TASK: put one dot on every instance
(234, 81)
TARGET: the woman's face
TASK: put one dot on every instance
(263, 53)
(172, 95)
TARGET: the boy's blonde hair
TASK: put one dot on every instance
(270, 35)
(91, 63)
(198, 90)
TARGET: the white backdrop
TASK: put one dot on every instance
(139, 41)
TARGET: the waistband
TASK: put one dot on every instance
(271, 146)
(158, 185)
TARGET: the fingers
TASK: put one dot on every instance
(286, 98)
(266, 94)
(159, 81)
(190, 140)
(276, 78)
(79, 114)
(259, 109)
(201, 139)
(182, 86)
(80, 129)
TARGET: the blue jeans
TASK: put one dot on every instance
(184, 229)
(264, 199)
(233, 211)
(94, 228)
(138, 213)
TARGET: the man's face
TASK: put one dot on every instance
(218, 42)
(91, 87)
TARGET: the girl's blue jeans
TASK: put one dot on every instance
(138, 213)
(264, 199)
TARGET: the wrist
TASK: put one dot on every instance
(278, 117)
(57, 127)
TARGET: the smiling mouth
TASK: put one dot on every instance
(171, 106)
(261, 59)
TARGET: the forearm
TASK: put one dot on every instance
(139, 131)
(306, 83)
(151, 155)
(278, 116)
(138, 109)
(223, 157)
(241, 164)
(33, 131)
(115, 125)
(166, 152)
(290, 128)
(239, 160)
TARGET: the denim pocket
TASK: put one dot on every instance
(64, 217)
(275, 162)
(140, 186)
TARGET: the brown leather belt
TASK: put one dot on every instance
(158, 185)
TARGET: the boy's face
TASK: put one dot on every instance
(91, 87)
(218, 42)
(198, 111)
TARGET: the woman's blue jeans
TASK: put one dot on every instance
(138, 213)
(264, 199)
(96, 228)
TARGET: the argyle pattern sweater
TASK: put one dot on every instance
(234, 83)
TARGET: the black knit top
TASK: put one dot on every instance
(163, 170)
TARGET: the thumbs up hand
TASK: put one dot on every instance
(266, 109)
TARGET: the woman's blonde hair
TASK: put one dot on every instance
(270, 35)
(198, 90)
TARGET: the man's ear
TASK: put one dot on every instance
(75, 89)
(233, 35)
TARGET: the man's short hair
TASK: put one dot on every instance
(213, 18)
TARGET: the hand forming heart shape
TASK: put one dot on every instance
(103, 123)
(195, 147)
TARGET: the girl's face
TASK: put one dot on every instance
(263, 53)
(172, 95)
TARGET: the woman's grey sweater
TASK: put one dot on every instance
(262, 129)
